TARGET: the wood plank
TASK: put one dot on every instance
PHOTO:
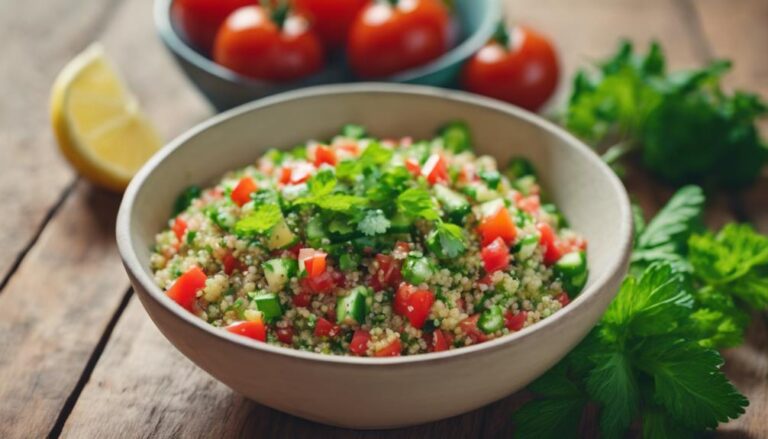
(33, 175)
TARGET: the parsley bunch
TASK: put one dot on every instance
(685, 127)
(651, 362)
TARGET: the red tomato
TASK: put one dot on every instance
(229, 263)
(184, 290)
(386, 39)
(179, 227)
(435, 169)
(199, 20)
(331, 19)
(251, 329)
(285, 335)
(498, 225)
(495, 256)
(515, 322)
(302, 300)
(359, 344)
(530, 204)
(523, 71)
(418, 307)
(401, 298)
(391, 350)
(412, 165)
(251, 43)
(469, 327)
(563, 299)
(315, 265)
(388, 274)
(320, 284)
(241, 194)
(548, 240)
(324, 154)
(440, 341)
(324, 328)
(296, 174)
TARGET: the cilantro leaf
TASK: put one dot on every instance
(260, 221)
(374, 155)
(689, 384)
(612, 383)
(665, 236)
(418, 203)
(373, 223)
(447, 241)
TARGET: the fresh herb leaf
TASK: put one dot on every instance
(456, 137)
(185, 199)
(353, 131)
(322, 183)
(612, 383)
(447, 241)
(337, 202)
(418, 203)
(373, 223)
(260, 221)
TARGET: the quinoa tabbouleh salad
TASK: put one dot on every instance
(368, 247)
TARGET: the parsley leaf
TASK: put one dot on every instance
(322, 183)
(373, 223)
(418, 203)
(688, 383)
(447, 241)
(335, 202)
(260, 221)
(612, 383)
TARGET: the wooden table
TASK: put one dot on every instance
(78, 355)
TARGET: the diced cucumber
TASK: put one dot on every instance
(572, 271)
(525, 185)
(278, 271)
(490, 208)
(470, 190)
(416, 270)
(268, 304)
(352, 308)
(456, 137)
(281, 237)
(491, 178)
(523, 218)
(349, 261)
(454, 205)
(560, 220)
(400, 223)
(526, 246)
(491, 320)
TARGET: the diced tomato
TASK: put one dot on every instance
(348, 148)
(419, 305)
(324, 328)
(486, 280)
(359, 344)
(241, 194)
(402, 247)
(572, 244)
(467, 173)
(324, 154)
(412, 165)
(548, 240)
(184, 290)
(320, 284)
(391, 350)
(285, 335)
(230, 263)
(179, 227)
(302, 300)
(315, 265)
(469, 327)
(563, 299)
(388, 274)
(251, 329)
(435, 169)
(515, 322)
(295, 174)
(495, 256)
(402, 295)
(439, 341)
(498, 225)
(530, 204)
(285, 175)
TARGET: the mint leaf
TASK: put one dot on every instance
(260, 221)
(373, 223)
(418, 203)
(322, 183)
(689, 384)
(338, 202)
(612, 383)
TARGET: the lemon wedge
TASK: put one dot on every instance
(98, 123)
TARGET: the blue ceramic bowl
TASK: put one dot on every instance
(477, 20)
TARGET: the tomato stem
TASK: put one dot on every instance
(280, 14)
(502, 34)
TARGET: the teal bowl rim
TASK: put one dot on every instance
(162, 16)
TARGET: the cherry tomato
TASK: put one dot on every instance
(498, 225)
(386, 39)
(359, 344)
(199, 20)
(179, 227)
(184, 290)
(519, 66)
(435, 169)
(391, 350)
(495, 256)
(331, 19)
(388, 273)
(515, 322)
(241, 194)
(251, 329)
(548, 240)
(251, 43)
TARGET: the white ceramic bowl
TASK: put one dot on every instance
(379, 392)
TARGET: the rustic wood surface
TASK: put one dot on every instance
(78, 355)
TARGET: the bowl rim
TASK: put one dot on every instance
(164, 26)
(137, 270)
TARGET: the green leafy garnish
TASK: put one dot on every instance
(418, 203)
(447, 241)
(260, 221)
(373, 223)
(456, 137)
(185, 199)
